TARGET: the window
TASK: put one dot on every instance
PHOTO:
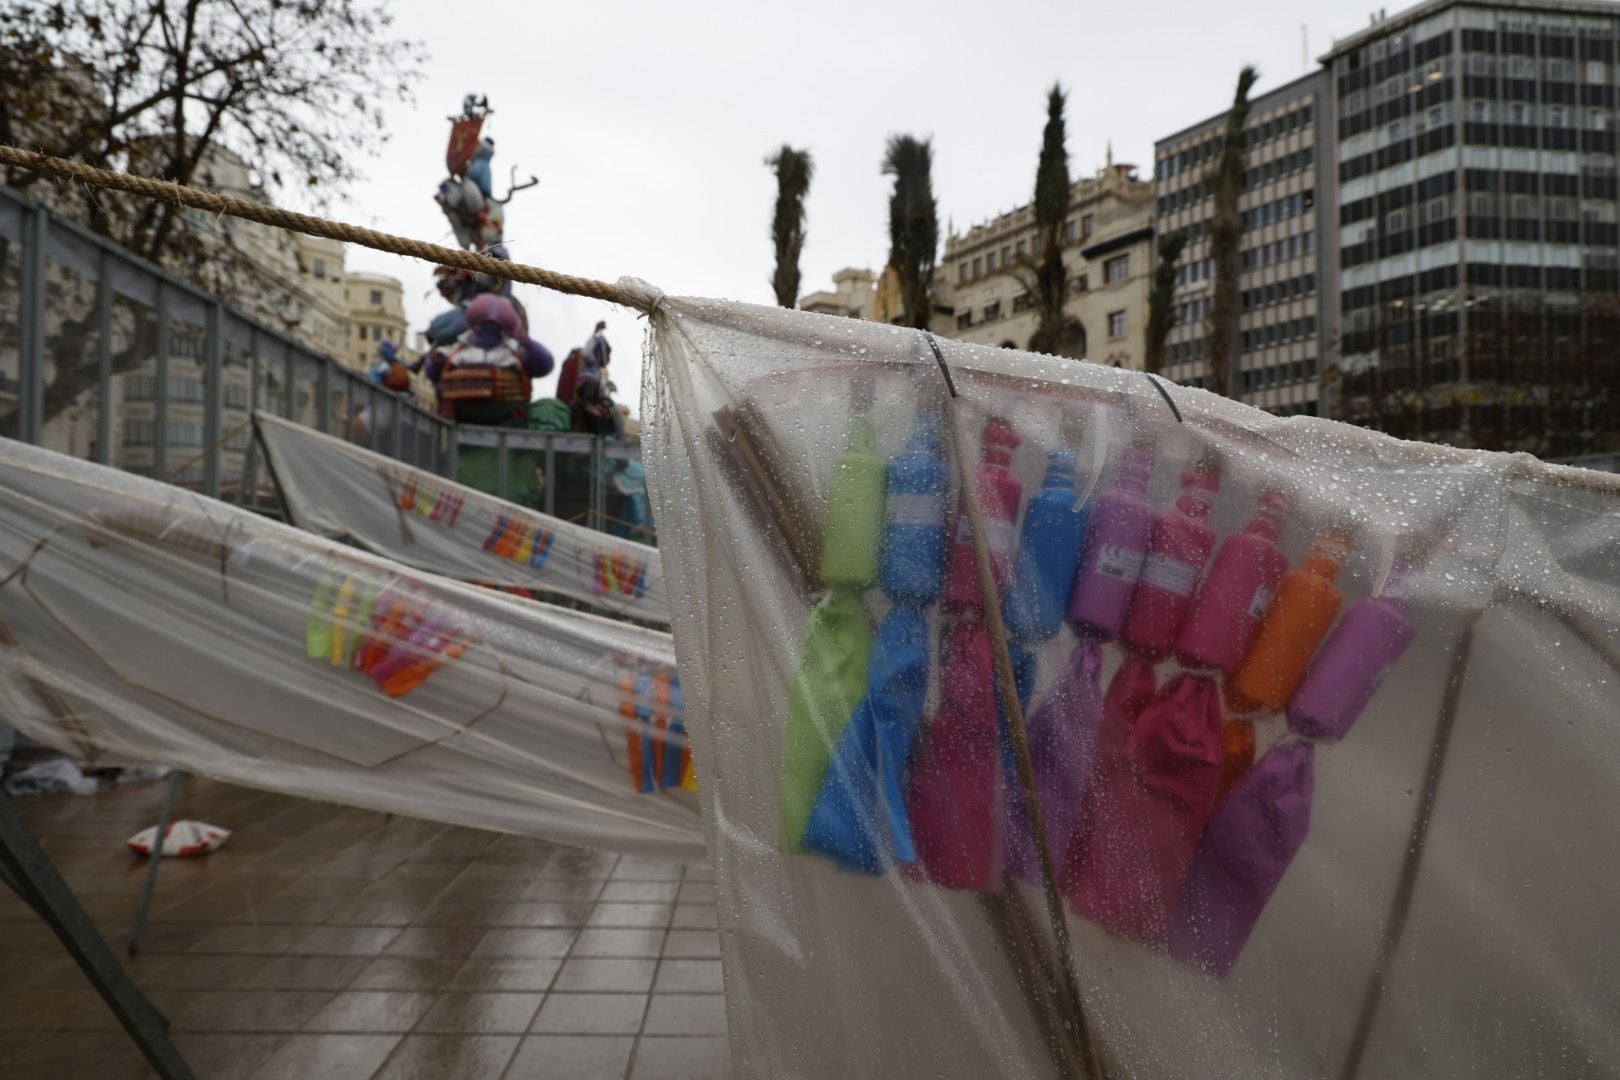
(376, 333)
(1118, 268)
(362, 332)
(961, 271)
(978, 267)
(1555, 116)
(376, 298)
(1020, 249)
(1116, 324)
(992, 311)
(1068, 231)
(1082, 283)
(990, 261)
(1006, 255)
(964, 320)
(1086, 227)
(320, 268)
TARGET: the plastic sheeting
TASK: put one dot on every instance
(341, 490)
(1404, 865)
(140, 619)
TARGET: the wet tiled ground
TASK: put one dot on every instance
(331, 942)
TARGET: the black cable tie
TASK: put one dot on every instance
(1154, 379)
(950, 384)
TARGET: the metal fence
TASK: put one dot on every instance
(592, 481)
(107, 357)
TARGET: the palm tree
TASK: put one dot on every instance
(1225, 233)
(1047, 280)
(1163, 291)
(794, 170)
(913, 225)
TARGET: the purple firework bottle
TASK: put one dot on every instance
(1116, 547)
(1368, 641)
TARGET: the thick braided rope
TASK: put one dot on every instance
(168, 191)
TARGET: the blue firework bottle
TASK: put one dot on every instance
(914, 516)
(1048, 553)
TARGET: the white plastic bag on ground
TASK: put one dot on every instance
(184, 838)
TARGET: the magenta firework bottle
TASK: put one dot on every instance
(1116, 546)
(1351, 665)
(1176, 555)
(1233, 599)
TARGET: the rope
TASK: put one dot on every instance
(310, 225)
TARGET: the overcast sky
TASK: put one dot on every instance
(648, 124)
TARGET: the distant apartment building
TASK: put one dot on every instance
(1287, 246)
(1478, 228)
(857, 293)
(981, 295)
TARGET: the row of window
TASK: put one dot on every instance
(1279, 210)
(1390, 56)
(1263, 173)
(1280, 333)
(1289, 247)
(1280, 375)
(1600, 272)
(1279, 292)
(1075, 230)
(1259, 133)
(179, 433)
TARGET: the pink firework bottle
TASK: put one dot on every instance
(1371, 637)
(1116, 546)
(1181, 543)
(999, 495)
(1233, 599)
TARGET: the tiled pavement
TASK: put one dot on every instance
(331, 942)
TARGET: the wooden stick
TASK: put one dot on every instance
(1406, 884)
(1007, 684)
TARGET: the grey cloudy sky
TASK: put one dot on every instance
(648, 124)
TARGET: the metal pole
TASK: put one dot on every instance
(153, 862)
(160, 382)
(104, 296)
(500, 464)
(213, 398)
(31, 373)
(323, 397)
(551, 475)
(398, 450)
(449, 432)
(27, 869)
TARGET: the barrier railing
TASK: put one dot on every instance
(593, 481)
(105, 356)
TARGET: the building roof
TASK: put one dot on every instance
(1412, 15)
(1291, 89)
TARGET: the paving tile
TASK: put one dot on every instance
(345, 940)
(470, 1013)
(694, 917)
(697, 892)
(698, 872)
(307, 972)
(686, 1014)
(579, 890)
(218, 1056)
(605, 975)
(618, 942)
(545, 913)
(577, 1057)
(449, 1057)
(660, 1057)
(634, 869)
(508, 973)
(591, 1014)
(215, 972)
(435, 941)
(691, 945)
(45, 1011)
(691, 976)
(293, 909)
(363, 1011)
(406, 972)
(524, 942)
(328, 1057)
(104, 1056)
(630, 915)
(377, 913)
(249, 938)
(462, 913)
(639, 892)
(247, 1010)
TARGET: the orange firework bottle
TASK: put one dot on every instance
(1298, 619)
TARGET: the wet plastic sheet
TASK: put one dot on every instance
(1411, 866)
(337, 489)
(139, 619)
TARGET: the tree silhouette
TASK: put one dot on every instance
(913, 225)
(1225, 236)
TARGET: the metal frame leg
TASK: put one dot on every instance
(27, 869)
(154, 861)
